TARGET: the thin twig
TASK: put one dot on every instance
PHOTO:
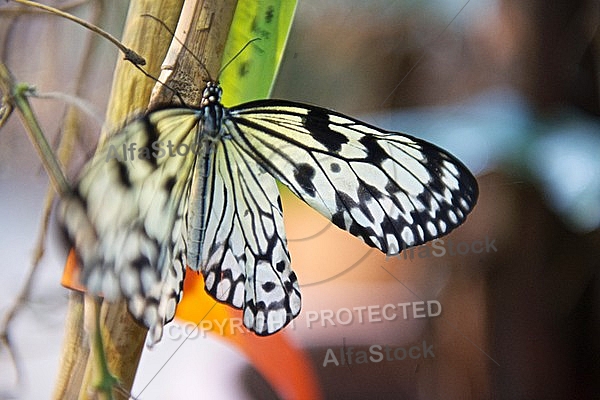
(18, 97)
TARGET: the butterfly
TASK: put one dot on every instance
(196, 187)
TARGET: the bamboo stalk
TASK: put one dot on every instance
(206, 28)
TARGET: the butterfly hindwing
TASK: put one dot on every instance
(244, 257)
(391, 190)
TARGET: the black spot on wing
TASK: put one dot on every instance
(151, 137)
(268, 286)
(123, 174)
(151, 131)
(169, 184)
(318, 124)
(304, 175)
(141, 262)
(280, 267)
(293, 277)
(277, 305)
(375, 154)
(151, 301)
(289, 284)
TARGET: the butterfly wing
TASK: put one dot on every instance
(243, 253)
(126, 215)
(390, 189)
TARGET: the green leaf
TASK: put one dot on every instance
(251, 74)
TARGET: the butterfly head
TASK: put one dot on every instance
(212, 93)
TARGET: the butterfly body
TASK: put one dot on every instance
(213, 203)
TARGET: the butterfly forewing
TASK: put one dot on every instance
(391, 190)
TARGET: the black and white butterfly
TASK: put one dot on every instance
(137, 218)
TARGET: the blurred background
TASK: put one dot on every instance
(511, 88)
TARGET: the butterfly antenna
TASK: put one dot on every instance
(236, 56)
(175, 92)
(179, 41)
